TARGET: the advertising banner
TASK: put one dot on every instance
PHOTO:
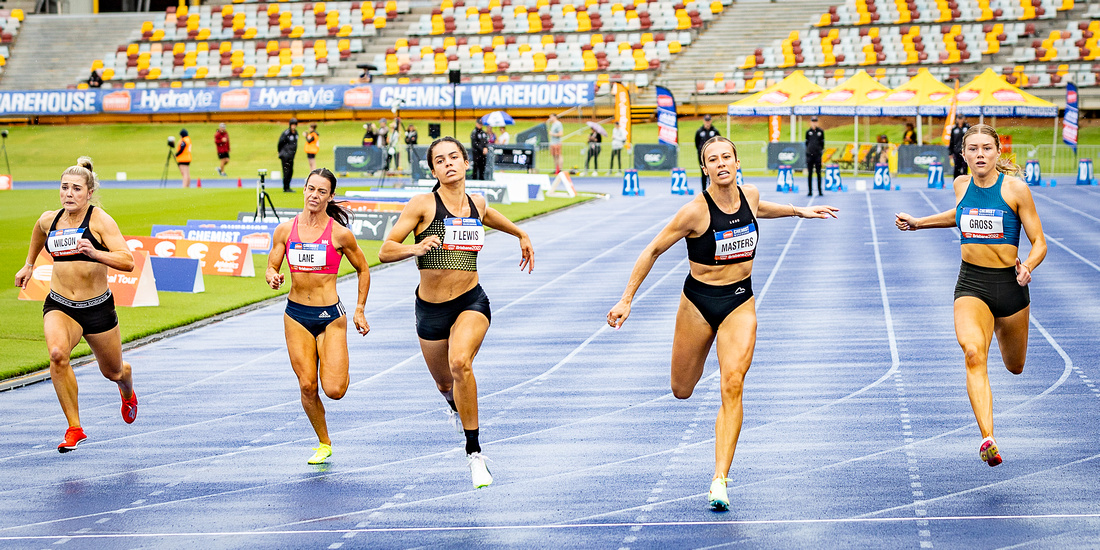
(666, 117)
(298, 98)
(622, 109)
(257, 235)
(177, 274)
(915, 159)
(371, 226)
(216, 258)
(134, 289)
(1069, 122)
(655, 156)
(359, 159)
(787, 153)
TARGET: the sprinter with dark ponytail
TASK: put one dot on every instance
(315, 325)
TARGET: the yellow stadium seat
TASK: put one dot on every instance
(584, 24)
(552, 78)
(476, 48)
(153, 74)
(227, 10)
(158, 35)
(296, 82)
(503, 78)
(367, 9)
(498, 41)
(248, 83)
(129, 85)
(97, 64)
(249, 33)
(534, 23)
(176, 84)
(401, 43)
(647, 37)
(201, 72)
(272, 9)
(147, 27)
(343, 44)
(319, 7)
(524, 48)
(81, 86)
(391, 6)
(297, 70)
(132, 49)
(446, 4)
(181, 11)
(449, 41)
(379, 22)
(716, 7)
(249, 71)
(675, 47)
(272, 71)
(17, 14)
(539, 60)
(345, 30)
(108, 74)
(485, 22)
(404, 80)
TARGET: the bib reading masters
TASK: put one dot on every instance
(306, 256)
(463, 234)
(735, 243)
(63, 242)
(982, 223)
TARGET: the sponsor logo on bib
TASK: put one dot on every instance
(735, 243)
(463, 234)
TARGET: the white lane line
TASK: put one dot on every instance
(1068, 207)
(562, 526)
(895, 360)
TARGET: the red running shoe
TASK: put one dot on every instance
(73, 437)
(129, 407)
(989, 453)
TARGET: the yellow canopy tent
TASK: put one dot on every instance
(780, 98)
(990, 94)
(854, 97)
(919, 96)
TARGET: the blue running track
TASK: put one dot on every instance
(858, 431)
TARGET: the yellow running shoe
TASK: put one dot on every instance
(323, 452)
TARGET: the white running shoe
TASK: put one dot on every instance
(478, 470)
(719, 499)
(455, 421)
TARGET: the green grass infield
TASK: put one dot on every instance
(22, 347)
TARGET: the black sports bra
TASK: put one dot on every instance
(61, 243)
(730, 239)
(446, 257)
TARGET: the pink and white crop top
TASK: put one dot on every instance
(319, 256)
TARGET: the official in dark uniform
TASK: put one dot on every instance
(705, 132)
(288, 148)
(479, 150)
(815, 147)
(956, 146)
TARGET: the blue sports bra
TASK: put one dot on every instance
(983, 216)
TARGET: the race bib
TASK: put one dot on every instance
(735, 243)
(982, 223)
(306, 256)
(463, 234)
(62, 242)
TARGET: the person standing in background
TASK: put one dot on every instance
(183, 157)
(313, 146)
(411, 137)
(910, 135)
(815, 147)
(618, 141)
(557, 132)
(504, 138)
(288, 148)
(955, 146)
(479, 150)
(703, 135)
(391, 150)
(593, 153)
(381, 140)
(221, 142)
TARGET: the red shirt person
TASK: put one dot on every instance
(221, 141)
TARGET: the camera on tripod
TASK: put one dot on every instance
(262, 172)
(172, 142)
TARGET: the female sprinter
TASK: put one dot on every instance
(452, 311)
(315, 325)
(717, 302)
(84, 241)
(991, 295)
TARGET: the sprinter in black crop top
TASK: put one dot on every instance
(83, 242)
(452, 310)
(720, 228)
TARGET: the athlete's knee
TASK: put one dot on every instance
(461, 367)
(733, 383)
(337, 392)
(308, 388)
(682, 391)
(58, 356)
(975, 356)
(1015, 365)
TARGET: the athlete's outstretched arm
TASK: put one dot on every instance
(1029, 218)
(392, 249)
(775, 210)
(678, 228)
(275, 256)
(906, 222)
(345, 239)
(500, 222)
(38, 240)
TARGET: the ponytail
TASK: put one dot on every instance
(1008, 168)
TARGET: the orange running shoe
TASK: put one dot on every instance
(129, 407)
(73, 437)
(989, 453)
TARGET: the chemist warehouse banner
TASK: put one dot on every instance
(313, 98)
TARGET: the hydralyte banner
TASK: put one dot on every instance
(298, 98)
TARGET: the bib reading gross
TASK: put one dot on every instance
(463, 234)
(63, 242)
(982, 223)
(735, 243)
(306, 256)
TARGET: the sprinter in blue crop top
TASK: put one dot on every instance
(83, 242)
(991, 295)
(452, 311)
(720, 228)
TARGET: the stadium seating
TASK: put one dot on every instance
(10, 22)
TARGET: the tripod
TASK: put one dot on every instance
(393, 136)
(4, 147)
(171, 158)
(263, 200)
